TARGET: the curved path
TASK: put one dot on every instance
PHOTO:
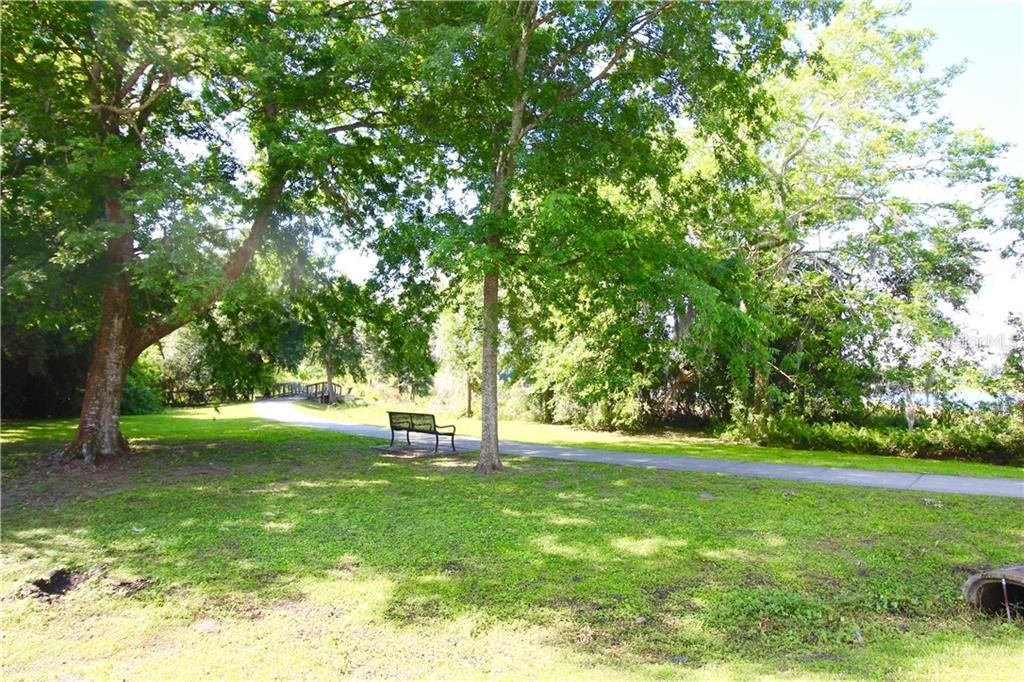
(284, 411)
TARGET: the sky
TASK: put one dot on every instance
(989, 36)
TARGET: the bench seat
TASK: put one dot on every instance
(418, 422)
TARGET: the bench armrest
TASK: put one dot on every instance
(445, 426)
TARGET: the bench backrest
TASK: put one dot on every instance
(412, 421)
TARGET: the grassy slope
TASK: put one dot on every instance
(275, 551)
(675, 443)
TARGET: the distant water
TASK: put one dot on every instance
(970, 396)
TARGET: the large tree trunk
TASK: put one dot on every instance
(99, 424)
(119, 342)
(489, 460)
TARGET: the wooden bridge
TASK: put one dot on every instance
(286, 390)
(316, 391)
(319, 391)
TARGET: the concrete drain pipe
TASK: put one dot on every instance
(1000, 590)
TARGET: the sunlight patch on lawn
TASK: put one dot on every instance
(645, 546)
(567, 520)
(772, 540)
(282, 489)
(452, 464)
(50, 543)
(278, 526)
(550, 544)
(361, 483)
(335, 630)
(233, 411)
(1000, 662)
(730, 554)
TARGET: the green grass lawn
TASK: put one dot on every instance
(231, 547)
(669, 442)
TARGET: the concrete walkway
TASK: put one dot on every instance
(285, 411)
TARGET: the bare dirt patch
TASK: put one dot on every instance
(54, 586)
(207, 626)
(127, 588)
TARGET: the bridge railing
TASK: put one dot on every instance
(315, 390)
(321, 390)
(286, 389)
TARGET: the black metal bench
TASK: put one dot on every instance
(414, 422)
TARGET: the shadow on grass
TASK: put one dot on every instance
(164, 448)
(641, 566)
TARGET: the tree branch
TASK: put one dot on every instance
(233, 268)
(776, 368)
(359, 123)
(802, 146)
(132, 80)
(143, 105)
(579, 47)
(618, 53)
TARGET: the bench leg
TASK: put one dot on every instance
(392, 439)
(437, 440)
(407, 441)
(453, 443)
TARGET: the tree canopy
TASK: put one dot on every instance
(532, 107)
(152, 147)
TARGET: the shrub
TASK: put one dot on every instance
(966, 435)
(142, 393)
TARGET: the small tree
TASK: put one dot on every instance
(331, 316)
(459, 349)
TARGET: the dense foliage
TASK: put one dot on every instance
(151, 148)
(804, 274)
(143, 393)
(973, 436)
